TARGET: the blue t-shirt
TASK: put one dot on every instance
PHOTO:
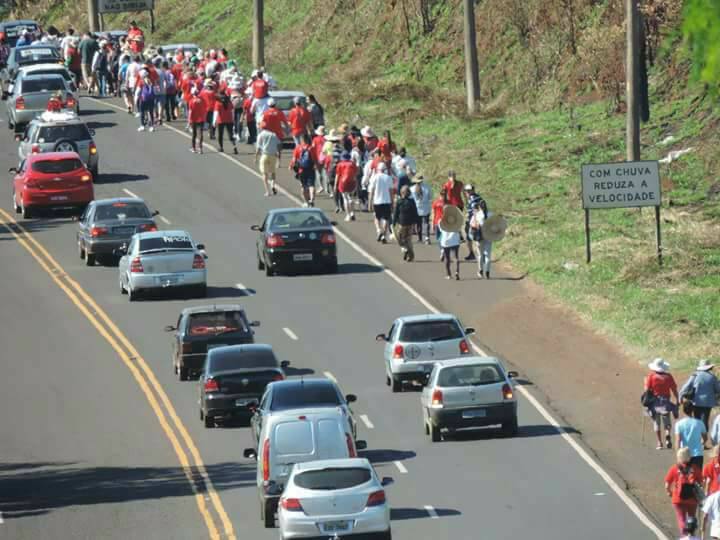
(691, 431)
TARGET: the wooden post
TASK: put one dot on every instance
(93, 20)
(258, 52)
(472, 70)
(657, 235)
(587, 236)
(632, 81)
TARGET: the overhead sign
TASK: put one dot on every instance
(119, 6)
(621, 185)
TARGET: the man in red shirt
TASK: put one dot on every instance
(454, 189)
(259, 86)
(197, 116)
(275, 120)
(208, 96)
(250, 121)
(136, 38)
(300, 120)
(224, 117)
(711, 473)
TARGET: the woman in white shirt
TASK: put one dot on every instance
(450, 244)
(483, 247)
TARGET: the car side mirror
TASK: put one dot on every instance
(361, 445)
(254, 323)
(201, 247)
(256, 228)
(250, 453)
(386, 481)
(155, 213)
(469, 331)
(381, 337)
(285, 363)
(92, 132)
(119, 252)
(513, 374)
(351, 398)
(170, 328)
(252, 405)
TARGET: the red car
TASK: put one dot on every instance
(53, 179)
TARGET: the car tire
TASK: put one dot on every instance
(267, 514)
(66, 144)
(182, 373)
(15, 204)
(435, 435)
(261, 264)
(388, 380)
(332, 268)
(89, 259)
(81, 254)
(208, 421)
(387, 535)
(396, 385)
(25, 211)
(510, 429)
(122, 287)
(427, 428)
(268, 271)
(132, 295)
(95, 174)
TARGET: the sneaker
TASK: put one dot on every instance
(306, 205)
(352, 217)
(129, 110)
(192, 150)
(427, 240)
(659, 447)
(487, 275)
(235, 150)
(480, 274)
(274, 189)
(152, 129)
(200, 151)
(347, 218)
(321, 190)
(141, 128)
(221, 150)
(457, 277)
(384, 240)
(668, 441)
(442, 256)
(379, 236)
(470, 257)
(137, 115)
(405, 256)
(392, 237)
(448, 276)
(337, 210)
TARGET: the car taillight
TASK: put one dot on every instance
(437, 398)
(398, 351)
(136, 266)
(70, 104)
(274, 240)
(350, 446)
(93, 148)
(266, 460)
(376, 498)
(507, 391)
(186, 348)
(464, 349)
(211, 385)
(278, 377)
(327, 238)
(291, 505)
(98, 231)
(85, 178)
(148, 227)
(198, 262)
(20, 103)
(35, 149)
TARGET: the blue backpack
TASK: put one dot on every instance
(147, 93)
(305, 162)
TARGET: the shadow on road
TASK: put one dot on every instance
(386, 456)
(524, 432)
(93, 112)
(40, 225)
(30, 489)
(358, 268)
(228, 292)
(291, 371)
(399, 514)
(118, 178)
(100, 125)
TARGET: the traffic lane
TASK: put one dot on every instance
(173, 186)
(82, 454)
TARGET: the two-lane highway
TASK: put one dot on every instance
(85, 454)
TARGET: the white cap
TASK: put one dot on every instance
(271, 102)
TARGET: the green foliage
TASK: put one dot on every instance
(701, 26)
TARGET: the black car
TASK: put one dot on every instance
(301, 394)
(293, 239)
(107, 224)
(234, 378)
(13, 29)
(200, 329)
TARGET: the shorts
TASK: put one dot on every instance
(268, 164)
(308, 180)
(86, 71)
(382, 211)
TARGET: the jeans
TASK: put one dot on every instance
(404, 238)
(423, 221)
(170, 104)
(703, 413)
(237, 124)
(252, 132)
(197, 129)
(484, 252)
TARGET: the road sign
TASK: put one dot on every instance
(119, 6)
(621, 185)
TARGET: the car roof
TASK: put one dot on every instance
(215, 308)
(52, 156)
(333, 463)
(50, 46)
(17, 21)
(247, 347)
(162, 234)
(274, 211)
(286, 93)
(39, 67)
(304, 382)
(126, 200)
(311, 412)
(58, 119)
(469, 361)
(428, 317)
(177, 45)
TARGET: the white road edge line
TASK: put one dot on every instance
(330, 376)
(130, 193)
(1, 519)
(165, 220)
(290, 334)
(594, 465)
(400, 467)
(366, 421)
(431, 512)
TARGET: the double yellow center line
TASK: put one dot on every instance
(186, 451)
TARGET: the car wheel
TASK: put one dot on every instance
(427, 428)
(435, 433)
(268, 271)
(122, 287)
(81, 251)
(95, 174)
(510, 429)
(387, 535)
(132, 295)
(267, 514)
(65, 145)
(89, 259)
(388, 380)
(25, 211)
(396, 385)
(332, 268)
(208, 421)
(15, 204)
(182, 373)
(261, 265)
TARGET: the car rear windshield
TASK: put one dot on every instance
(51, 84)
(295, 396)
(26, 56)
(57, 166)
(299, 220)
(73, 132)
(420, 332)
(221, 361)
(221, 322)
(284, 103)
(160, 243)
(470, 376)
(121, 210)
(333, 478)
(14, 30)
(64, 73)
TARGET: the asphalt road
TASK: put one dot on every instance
(87, 449)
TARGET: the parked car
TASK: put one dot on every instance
(13, 29)
(108, 224)
(414, 343)
(202, 328)
(294, 239)
(51, 180)
(30, 97)
(235, 377)
(161, 261)
(335, 498)
(60, 132)
(293, 437)
(27, 56)
(467, 393)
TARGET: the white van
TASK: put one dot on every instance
(297, 436)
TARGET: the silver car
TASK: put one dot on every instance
(162, 260)
(30, 97)
(469, 393)
(334, 498)
(414, 343)
(49, 69)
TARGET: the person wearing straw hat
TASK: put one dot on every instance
(680, 482)
(450, 226)
(660, 385)
(702, 390)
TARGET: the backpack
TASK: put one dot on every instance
(305, 162)
(147, 93)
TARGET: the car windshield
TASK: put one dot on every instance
(51, 84)
(333, 478)
(162, 243)
(477, 375)
(220, 360)
(284, 103)
(295, 396)
(73, 132)
(57, 166)
(421, 332)
(298, 220)
(33, 55)
(201, 324)
(121, 210)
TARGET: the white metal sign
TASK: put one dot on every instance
(621, 185)
(119, 6)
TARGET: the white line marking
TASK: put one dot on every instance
(1, 519)
(330, 376)
(165, 220)
(629, 502)
(366, 421)
(431, 512)
(241, 287)
(400, 467)
(290, 334)
(130, 193)
(599, 494)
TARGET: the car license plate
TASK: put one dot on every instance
(59, 198)
(124, 230)
(302, 257)
(165, 281)
(335, 526)
(474, 413)
(242, 402)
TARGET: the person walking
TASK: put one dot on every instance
(449, 226)
(380, 195)
(690, 433)
(197, 113)
(690, 529)
(146, 100)
(422, 195)
(711, 516)
(300, 121)
(454, 190)
(88, 47)
(702, 389)
(437, 211)
(303, 163)
(405, 219)
(267, 156)
(681, 482)
(660, 385)
(318, 143)
(224, 116)
(483, 243)
(250, 120)
(135, 38)
(473, 200)
(711, 473)
(208, 95)
(275, 120)
(346, 176)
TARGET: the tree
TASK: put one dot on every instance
(701, 27)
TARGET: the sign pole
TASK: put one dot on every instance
(92, 7)
(587, 235)
(657, 235)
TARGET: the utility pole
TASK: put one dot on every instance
(258, 52)
(472, 70)
(632, 81)
(93, 19)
